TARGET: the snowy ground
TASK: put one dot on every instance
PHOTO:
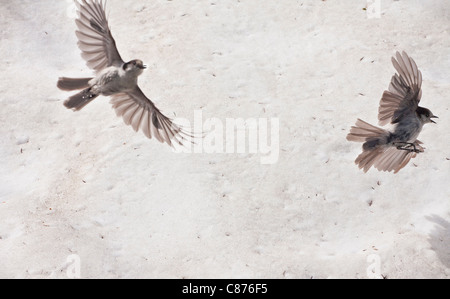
(83, 191)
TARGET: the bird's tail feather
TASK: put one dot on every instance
(363, 132)
(73, 83)
(81, 99)
(376, 151)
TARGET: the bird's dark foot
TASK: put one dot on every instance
(407, 146)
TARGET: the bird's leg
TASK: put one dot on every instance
(407, 146)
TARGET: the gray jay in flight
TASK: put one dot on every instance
(391, 150)
(114, 78)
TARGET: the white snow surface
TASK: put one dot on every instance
(84, 184)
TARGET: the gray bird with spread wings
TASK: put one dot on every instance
(114, 78)
(391, 151)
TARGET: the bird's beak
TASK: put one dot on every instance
(143, 66)
(433, 116)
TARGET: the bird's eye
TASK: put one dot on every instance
(134, 62)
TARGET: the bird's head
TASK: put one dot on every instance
(135, 65)
(425, 115)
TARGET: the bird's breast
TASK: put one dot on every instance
(408, 129)
(114, 80)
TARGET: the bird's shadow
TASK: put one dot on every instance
(440, 239)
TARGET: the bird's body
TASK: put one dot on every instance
(392, 150)
(114, 78)
(407, 130)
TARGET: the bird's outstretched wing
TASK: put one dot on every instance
(384, 159)
(139, 112)
(94, 37)
(404, 91)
